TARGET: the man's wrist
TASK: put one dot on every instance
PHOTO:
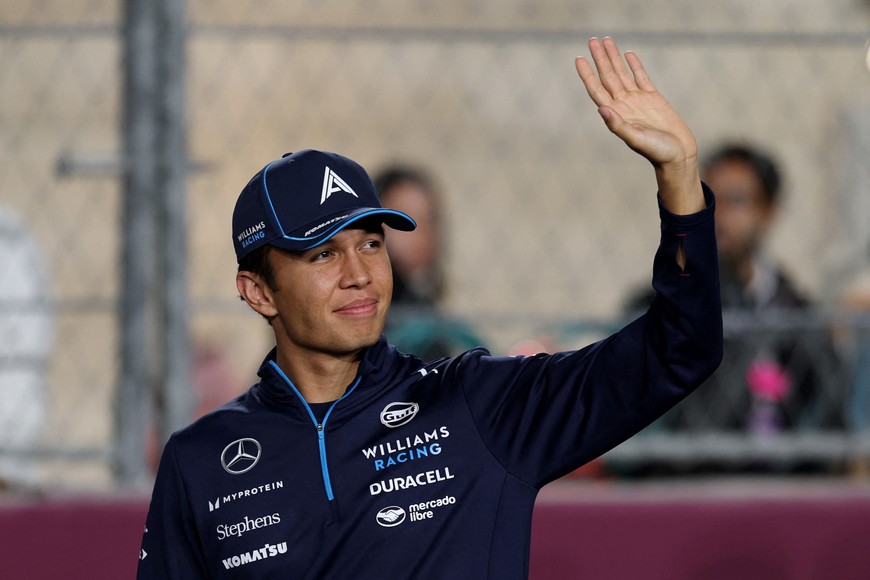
(679, 186)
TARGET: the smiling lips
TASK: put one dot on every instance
(361, 307)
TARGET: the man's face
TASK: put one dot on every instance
(413, 253)
(333, 298)
(743, 213)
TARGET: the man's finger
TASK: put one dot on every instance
(618, 65)
(600, 96)
(641, 78)
(606, 73)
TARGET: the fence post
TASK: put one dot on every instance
(137, 242)
(176, 392)
(153, 388)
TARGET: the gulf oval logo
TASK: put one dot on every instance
(399, 413)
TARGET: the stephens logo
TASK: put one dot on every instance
(390, 517)
(241, 455)
(398, 414)
(225, 531)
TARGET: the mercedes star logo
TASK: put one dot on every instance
(241, 455)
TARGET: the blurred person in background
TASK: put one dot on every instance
(416, 258)
(772, 377)
(417, 322)
(351, 459)
(26, 344)
(750, 183)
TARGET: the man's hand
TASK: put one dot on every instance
(638, 114)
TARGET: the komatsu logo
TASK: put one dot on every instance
(267, 551)
(399, 413)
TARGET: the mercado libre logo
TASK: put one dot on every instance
(394, 515)
(390, 517)
(398, 414)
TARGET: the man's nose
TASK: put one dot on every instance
(355, 272)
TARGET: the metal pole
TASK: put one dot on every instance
(855, 201)
(137, 233)
(171, 155)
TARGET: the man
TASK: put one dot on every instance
(773, 378)
(747, 186)
(782, 373)
(416, 324)
(418, 276)
(352, 460)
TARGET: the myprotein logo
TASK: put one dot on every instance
(391, 516)
(225, 499)
(399, 413)
(241, 456)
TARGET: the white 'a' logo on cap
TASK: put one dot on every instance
(332, 183)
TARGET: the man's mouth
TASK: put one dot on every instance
(361, 307)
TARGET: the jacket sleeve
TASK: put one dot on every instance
(170, 548)
(545, 415)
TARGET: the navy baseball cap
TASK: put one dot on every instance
(301, 200)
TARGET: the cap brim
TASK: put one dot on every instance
(390, 217)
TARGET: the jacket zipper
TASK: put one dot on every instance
(320, 427)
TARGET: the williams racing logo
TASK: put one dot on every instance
(241, 456)
(398, 414)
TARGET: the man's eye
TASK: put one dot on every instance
(321, 255)
(372, 244)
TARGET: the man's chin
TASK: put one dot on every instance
(362, 341)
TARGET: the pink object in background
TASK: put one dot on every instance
(769, 380)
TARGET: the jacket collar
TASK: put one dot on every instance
(276, 390)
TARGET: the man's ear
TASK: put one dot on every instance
(254, 291)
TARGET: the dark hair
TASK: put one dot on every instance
(762, 165)
(257, 262)
(393, 175)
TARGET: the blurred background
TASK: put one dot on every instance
(127, 129)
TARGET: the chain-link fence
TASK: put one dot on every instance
(550, 220)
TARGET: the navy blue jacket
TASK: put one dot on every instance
(425, 470)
